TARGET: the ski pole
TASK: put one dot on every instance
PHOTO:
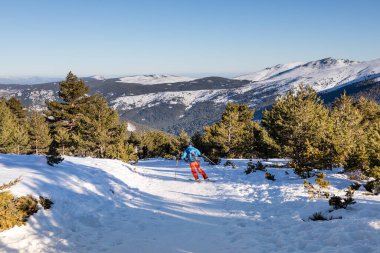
(175, 170)
(208, 159)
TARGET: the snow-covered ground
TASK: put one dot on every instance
(109, 206)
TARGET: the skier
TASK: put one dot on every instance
(191, 155)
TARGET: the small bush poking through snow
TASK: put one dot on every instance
(260, 166)
(337, 202)
(229, 163)
(373, 186)
(318, 216)
(310, 188)
(323, 184)
(15, 211)
(355, 186)
(251, 167)
(269, 176)
(45, 202)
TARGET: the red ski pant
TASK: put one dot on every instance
(196, 165)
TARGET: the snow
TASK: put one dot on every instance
(98, 77)
(106, 205)
(186, 98)
(154, 79)
(269, 72)
(131, 127)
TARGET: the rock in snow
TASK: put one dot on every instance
(103, 205)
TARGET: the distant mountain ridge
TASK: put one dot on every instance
(171, 103)
(27, 80)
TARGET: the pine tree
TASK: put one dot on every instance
(65, 116)
(263, 145)
(7, 125)
(160, 144)
(120, 148)
(20, 138)
(232, 136)
(183, 140)
(39, 137)
(53, 156)
(98, 126)
(373, 150)
(347, 129)
(17, 108)
(134, 139)
(72, 89)
(370, 111)
(300, 124)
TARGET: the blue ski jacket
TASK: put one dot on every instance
(187, 154)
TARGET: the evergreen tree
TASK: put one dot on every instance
(134, 139)
(120, 148)
(347, 129)
(39, 137)
(373, 149)
(367, 158)
(63, 138)
(300, 124)
(53, 156)
(7, 125)
(160, 144)
(230, 137)
(72, 89)
(370, 111)
(183, 141)
(65, 116)
(98, 125)
(19, 141)
(263, 145)
(20, 138)
(16, 108)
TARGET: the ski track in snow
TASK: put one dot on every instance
(108, 206)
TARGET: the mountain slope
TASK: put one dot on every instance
(154, 79)
(324, 74)
(165, 102)
(103, 205)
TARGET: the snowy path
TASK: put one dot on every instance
(105, 206)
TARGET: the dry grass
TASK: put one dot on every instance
(15, 211)
(10, 184)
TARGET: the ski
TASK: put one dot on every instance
(201, 180)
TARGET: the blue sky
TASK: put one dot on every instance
(191, 37)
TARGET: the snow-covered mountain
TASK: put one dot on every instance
(269, 72)
(98, 77)
(172, 102)
(154, 79)
(322, 74)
